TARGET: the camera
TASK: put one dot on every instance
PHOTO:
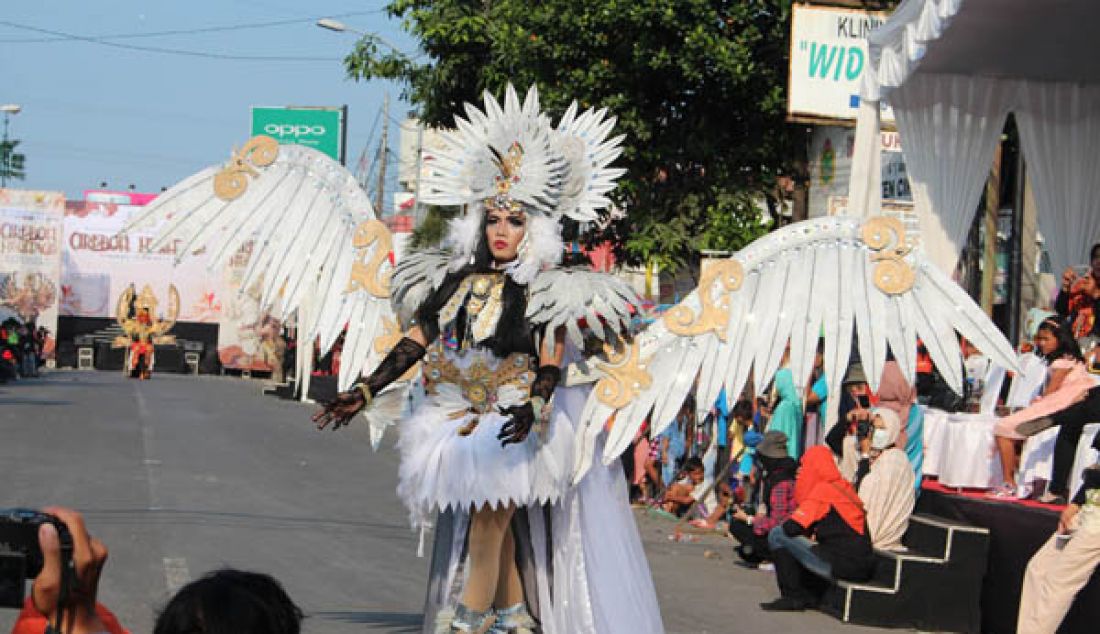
(21, 556)
(863, 429)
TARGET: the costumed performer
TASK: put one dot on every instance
(484, 450)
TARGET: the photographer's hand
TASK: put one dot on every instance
(89, 555)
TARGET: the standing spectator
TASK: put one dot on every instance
(777, 472)
(29, 359)
(817, 397)
(1076, 300)
(787, 411)
(829, 512)
(673, 446)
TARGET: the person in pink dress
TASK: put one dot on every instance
(1070, 399)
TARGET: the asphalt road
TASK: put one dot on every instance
(182, 475)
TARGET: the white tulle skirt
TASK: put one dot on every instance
(442, 470)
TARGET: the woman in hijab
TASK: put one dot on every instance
(887, 489)
(898, 394)
(828, 511)
(787, 414)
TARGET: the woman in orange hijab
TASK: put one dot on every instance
(825, 538)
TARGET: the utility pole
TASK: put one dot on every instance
(417, 208)
(379, 196)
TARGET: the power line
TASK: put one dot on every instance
(209, 29)
(168, 51)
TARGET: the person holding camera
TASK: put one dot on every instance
(63, 595)
(776, 472)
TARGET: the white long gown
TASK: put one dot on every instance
(580, 555)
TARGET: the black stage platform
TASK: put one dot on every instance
(1016, 533)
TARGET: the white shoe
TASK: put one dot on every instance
(767, 566)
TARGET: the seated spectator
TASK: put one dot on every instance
(825, 538)
(777, 472)
(679, 496)
(223, 602)
(1065, 563)
(1070, 400)
(887, 490)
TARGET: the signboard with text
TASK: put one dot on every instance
(321, 128)
(828, 59)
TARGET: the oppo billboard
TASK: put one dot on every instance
(321, 128)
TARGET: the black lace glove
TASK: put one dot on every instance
(523, 416)
(347, 404)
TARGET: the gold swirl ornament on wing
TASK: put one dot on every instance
(366, 273)
(886, 238)
(624, 377)
(232, 181)
(715, 312)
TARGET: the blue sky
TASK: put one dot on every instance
(93, 113)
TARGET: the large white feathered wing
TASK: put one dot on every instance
(834, 277)
(318, 248)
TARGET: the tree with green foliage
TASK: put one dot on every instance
(12, 163)
(698, 87)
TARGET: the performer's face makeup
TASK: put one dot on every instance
(504, 231)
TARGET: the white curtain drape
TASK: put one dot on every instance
(1060, 135)
(950, 126)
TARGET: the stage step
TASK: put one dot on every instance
(935, 586)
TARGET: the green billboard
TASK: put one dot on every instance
(320, 128)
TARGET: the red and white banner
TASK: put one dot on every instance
(30, 256)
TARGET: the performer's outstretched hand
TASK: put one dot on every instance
(517, 428)
(340, 410)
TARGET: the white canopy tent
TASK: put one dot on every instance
(952, 70)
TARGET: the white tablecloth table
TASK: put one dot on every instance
(959, 449)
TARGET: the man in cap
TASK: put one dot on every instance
(775, 473)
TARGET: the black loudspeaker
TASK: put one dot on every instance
(210, 363)
(65, 355)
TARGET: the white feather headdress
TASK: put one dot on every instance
(511, 157)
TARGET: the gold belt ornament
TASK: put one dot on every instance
(479, 383)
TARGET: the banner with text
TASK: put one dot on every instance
(30, 256)
(828, 59)
(99, 262)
